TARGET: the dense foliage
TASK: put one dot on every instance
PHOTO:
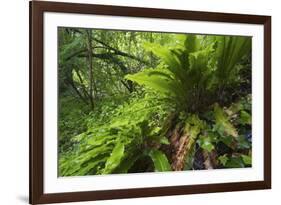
(142, 102)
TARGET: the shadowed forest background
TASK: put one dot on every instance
(134, 102)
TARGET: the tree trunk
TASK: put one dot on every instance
(82, 84)
(90, 61)
(182, 144)
(210, 159)
(71, 83)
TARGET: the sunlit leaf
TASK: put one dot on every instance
(160, 161)
(247, 159)
(245, 117)
(115, 158)
(223, 159)
(223, 121)
(206, 143)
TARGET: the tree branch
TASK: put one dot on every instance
(118, 52)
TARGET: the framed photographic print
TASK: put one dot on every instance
(138, 102)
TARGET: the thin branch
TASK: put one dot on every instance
(77, 91)
(118, 52)
(84, 89)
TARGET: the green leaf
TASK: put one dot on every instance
(167, 56)
(243, 143)
(199, 60)
(191, 43)
(229, 52)
(160, 161)
(223, 122)
(205, 143)
(115, 158)
(223, 159)
(164, 140)
(234, 108)
(235, 162)
(155, 131)
(227, 140)
(189, 160)
(125, 165)
(157, 80)
(245, 118)
(208, 146)
(247, 159)
(193, 126)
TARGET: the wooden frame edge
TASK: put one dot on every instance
(36, 102)
(149, 192)
(267, 101)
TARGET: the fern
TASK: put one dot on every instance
(189, 82)
(194, 69)
(229, 52)
(116, 146)
(160, 161)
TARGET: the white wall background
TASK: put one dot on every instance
(14, 101)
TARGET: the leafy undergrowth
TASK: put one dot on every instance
(72, 116)
(193, 111)
(138, 137)
(113, 145)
